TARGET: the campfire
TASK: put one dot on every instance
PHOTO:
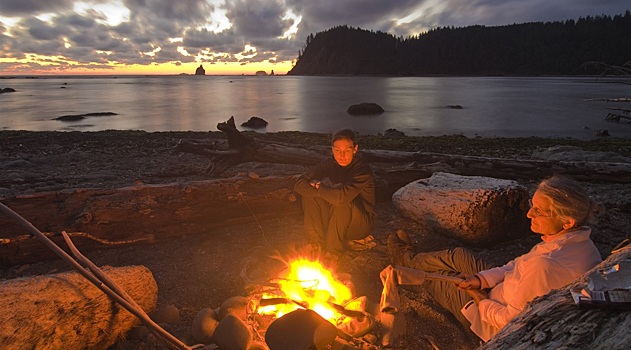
(305, 290)
(309, 285)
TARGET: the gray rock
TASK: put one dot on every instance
(232, 334)
(236, 306)
(166, 314)
(204, 325)
(477, 210)
(255, 123)
(365, 108)
(300, 329)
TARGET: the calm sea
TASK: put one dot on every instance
(418, 106)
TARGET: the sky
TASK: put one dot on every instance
(230, 37)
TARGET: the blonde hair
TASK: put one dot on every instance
(568, 200)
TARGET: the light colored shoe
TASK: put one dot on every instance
(362, 244)
(399, 249)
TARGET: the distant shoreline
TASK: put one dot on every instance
(113, 76)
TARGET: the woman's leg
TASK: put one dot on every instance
(346, 222)
(316, 216)
(449, 262)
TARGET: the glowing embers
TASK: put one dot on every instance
(308, 284)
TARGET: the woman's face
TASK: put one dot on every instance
(542, 220)
(344, 151)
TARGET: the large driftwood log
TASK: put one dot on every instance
(141, 213)
(66, 311)
(395, 164)
(555, 322)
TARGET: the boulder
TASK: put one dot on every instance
(7, 90)
(232, 334)
(365, 108)
(255, 123)
(200, 70)
(478, 210)
(300, 329)
(204, 325)
(393, 133)
(66, 311)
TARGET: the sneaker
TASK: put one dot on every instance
(362, 244)
(399, 248)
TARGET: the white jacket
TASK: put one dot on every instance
(551, 264)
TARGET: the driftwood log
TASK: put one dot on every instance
(396, 168)
(555, 322)
(141, 213)
(66, 311)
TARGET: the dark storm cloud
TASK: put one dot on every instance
(492, 12)
(254, 18)
(14, 8)
(179, 11)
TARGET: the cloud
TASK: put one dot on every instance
(92, 33)
(14, 8)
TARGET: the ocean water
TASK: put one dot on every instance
(418, 106)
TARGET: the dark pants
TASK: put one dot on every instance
(449, 262)
(330, 225)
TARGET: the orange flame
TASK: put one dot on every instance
(311, 284)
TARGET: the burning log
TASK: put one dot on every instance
(66, 311)
(302, 305)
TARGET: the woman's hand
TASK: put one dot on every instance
(469, 282)
(477, 295)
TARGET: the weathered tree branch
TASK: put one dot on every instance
(409, 165)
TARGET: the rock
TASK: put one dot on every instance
(66, 311)
(166, 314)
(365, 108)
(300, 329)
(260, 73)
(255, 123)
(393, 133)
(232, 334)
(454, 106)
(7, 90)
(200, 70)
(204, 325)
(236, 306)
(70, 118)
(478, 210)
(75, 117)
(602, 132)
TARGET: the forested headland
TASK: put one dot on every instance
(586, 46)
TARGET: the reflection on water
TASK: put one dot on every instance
(492, 106)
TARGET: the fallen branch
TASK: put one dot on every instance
(410, 164)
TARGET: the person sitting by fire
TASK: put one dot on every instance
(338, 197)
(488, 297)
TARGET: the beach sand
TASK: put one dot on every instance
(195, 272)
